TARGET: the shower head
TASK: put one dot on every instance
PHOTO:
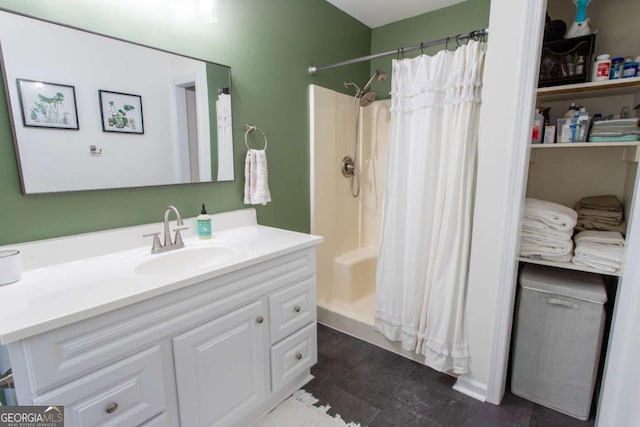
(367, 99)
(365, 96)
(378, 76)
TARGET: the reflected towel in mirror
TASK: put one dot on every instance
(225, 138)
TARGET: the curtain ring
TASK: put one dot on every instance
(458, 40)
(446, 44)
(422, 47)
(398, 55)
(402, 52)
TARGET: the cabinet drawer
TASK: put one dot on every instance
(293, 356)
(292, 308)
(126, 393)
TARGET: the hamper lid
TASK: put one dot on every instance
(570, 283)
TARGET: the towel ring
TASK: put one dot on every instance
(251, 128)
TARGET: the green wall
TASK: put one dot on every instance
(269, 46)
(457, 19)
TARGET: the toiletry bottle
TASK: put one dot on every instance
(572, 111)
(538, 126)
(601, 68)
(204, 224)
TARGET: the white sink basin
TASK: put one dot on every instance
(187, 259)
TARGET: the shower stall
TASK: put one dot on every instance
(351, 226)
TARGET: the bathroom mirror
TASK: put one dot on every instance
(92, 112)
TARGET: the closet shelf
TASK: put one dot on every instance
(568, 266)
(631, 151)
(590, 89)
(633, 144)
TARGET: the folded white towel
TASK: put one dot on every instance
(535, 249)
(534, 227)
(602, 237)
(256, 178)
(549, 257)
(600, 251)
(599, 263)
(554, 215)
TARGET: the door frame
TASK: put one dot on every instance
(622, 372)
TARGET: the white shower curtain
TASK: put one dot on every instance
(427, 208)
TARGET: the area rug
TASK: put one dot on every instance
(299, 411)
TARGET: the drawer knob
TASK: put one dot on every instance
(296, 309)
(259, 320)
(299, 356)
(112, 407)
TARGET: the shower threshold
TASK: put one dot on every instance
(357, 319)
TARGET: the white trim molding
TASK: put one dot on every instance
(471, 388)
(526, 65)
(618, 400)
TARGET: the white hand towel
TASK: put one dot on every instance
(554, 215)
(256, 178)
(603, 237)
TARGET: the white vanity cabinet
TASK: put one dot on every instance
(219, 352)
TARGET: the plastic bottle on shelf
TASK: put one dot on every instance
(630, 68)
(572, 111)
(601, 68)
(617, 66)
(538, 127)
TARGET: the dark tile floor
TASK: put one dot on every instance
(376, 388)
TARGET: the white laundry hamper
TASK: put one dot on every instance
(559, 325)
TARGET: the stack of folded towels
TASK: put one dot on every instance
(603, 213)
(599, 249)
(615, 130)
(547, 229)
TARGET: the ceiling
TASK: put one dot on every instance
(376, 13)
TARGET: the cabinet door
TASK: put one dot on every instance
(222, 367)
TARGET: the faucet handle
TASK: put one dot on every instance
(156, 246)
(178, 238)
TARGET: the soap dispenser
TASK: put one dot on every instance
(204, 224)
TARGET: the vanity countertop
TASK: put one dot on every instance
(61, 290)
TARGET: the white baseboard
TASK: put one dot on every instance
(471, 388)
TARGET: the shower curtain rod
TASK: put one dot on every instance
(402, 50)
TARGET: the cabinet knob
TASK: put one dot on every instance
(296, 309)
(259, 320)
(299, 356)
(112, 407)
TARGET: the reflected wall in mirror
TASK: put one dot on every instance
(183, 103)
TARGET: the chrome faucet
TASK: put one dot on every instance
(168, 245)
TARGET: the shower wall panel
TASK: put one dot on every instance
(334, 212)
